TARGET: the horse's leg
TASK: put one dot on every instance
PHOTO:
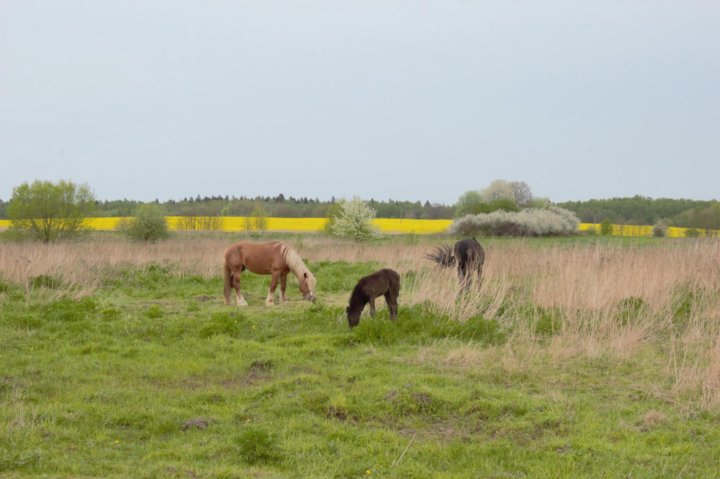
(283, 285)
(236, 286)
(463, 277)
(227, 283)
(479, 274)
(270, 300)
(372, 306)
(391, 301)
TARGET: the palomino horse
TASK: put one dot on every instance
(469, 256)
(274, 258)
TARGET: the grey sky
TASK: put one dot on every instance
(386, 99)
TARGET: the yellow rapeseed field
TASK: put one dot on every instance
(385, 225)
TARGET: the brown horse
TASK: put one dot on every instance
(385, 282)
(274, 258)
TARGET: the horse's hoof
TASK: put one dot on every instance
(269, 303)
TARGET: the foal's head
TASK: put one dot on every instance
(353, 316)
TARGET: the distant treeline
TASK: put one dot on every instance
(640, 210)
(637, 210)
(279, 206)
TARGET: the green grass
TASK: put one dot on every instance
(153, 377)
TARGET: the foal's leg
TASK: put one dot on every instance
(236, 286)
(270, 300)
(391, 300)
(283, 284)
(372, 306)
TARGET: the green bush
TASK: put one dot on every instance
(148, 224)
(692, 233)
(659, 230)
(606, 228)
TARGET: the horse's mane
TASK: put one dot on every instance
(296, 265)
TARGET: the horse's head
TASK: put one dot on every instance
(353, 317)
(307, 286)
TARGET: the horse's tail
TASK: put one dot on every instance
(442, 255)
(228, 282)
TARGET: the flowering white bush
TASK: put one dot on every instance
(550, 221)
(354, 220)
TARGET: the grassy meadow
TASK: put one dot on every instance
(578, 357)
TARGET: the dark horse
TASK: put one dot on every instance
(384, 282)
(469, 256)
(274, 258)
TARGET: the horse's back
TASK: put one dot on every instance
(386, 279)
(257, 257)
(469, 250)
(393, 278)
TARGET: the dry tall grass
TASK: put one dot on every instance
(602, 300)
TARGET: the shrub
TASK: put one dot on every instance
(552, 221)
(606, 228)
(692, 233)
(354, 220)
(659, 230)
(148, 224)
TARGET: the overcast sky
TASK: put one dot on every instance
(412, 100)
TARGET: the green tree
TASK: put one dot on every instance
(606, 228)
(50, 211)
(257, 220)
(469, 203)
(474, 203)
(148, 224)
(332, 213)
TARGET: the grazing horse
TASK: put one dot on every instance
(384, 282)
(469, 256)
(274, 258)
